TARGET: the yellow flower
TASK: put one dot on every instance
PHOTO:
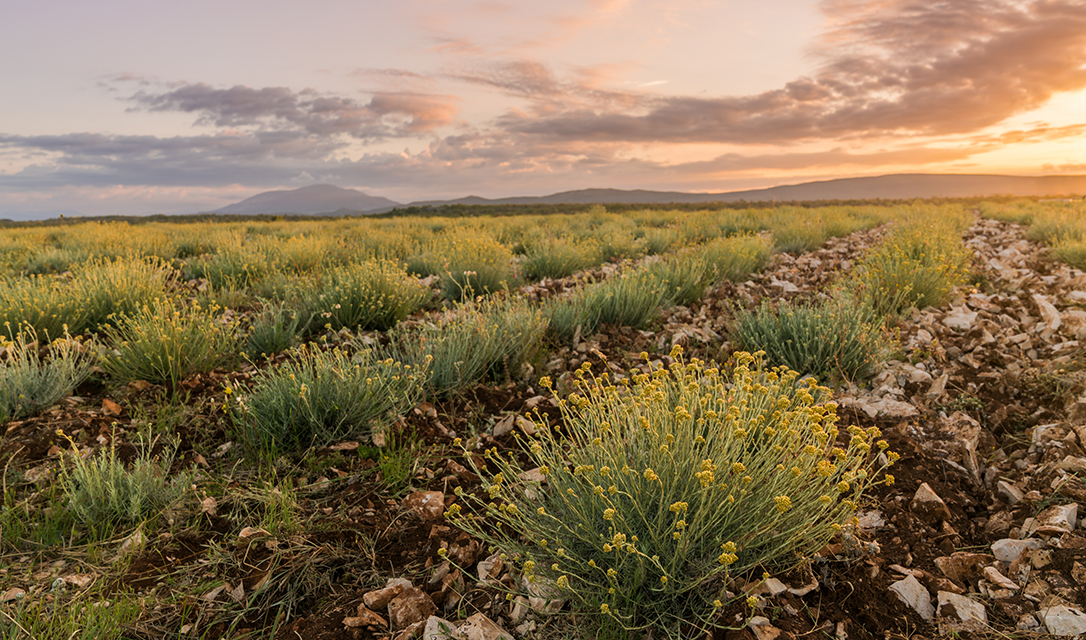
(608, 514)
(842, 486)
(752, 601)
(604, 608)
(563, 582)
(784, 503)
(889, 479)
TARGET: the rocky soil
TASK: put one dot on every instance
(980, 536)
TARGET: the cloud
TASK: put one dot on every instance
(891, 67)
(386, 115)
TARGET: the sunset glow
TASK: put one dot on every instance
(130, 107)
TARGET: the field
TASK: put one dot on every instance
(849, 421)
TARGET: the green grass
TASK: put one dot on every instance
(631, 300)
(104, 494)
(30, 383)
(486, 340)
(373, 295)
(165, 342)
(61, 616)
(831, 339)
(319, 397)
(274, 329)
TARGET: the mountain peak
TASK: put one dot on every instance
(311, 200)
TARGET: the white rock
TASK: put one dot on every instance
(762, 629)
(1064, 621)
(1012, 494)
(997, 578)
(927, 504)
(959, 612)
(1009, 549)
(1049, 316)
(871, 519)
(939, 386)
(960, 318)
(1057, 519)
(1027, 623)
(775, 587)
(439, 629)
(480, 627)
(913, 594)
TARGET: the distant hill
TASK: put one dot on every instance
(315, 199)
(892, 187)
(324, 199)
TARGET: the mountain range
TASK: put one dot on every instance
(325, 199)
(331, 200)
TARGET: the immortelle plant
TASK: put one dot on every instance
(661, 485)
(30, 383)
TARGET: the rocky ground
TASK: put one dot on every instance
(979, 536)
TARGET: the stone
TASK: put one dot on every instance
(543, 599)
(1009, 492)
(1078, 573)
(938, 387)
(871, 519)
(1027, 622)
(428, 505)
(490, 567)
(762, 629)
(410, 633)
(913, 594)
(411, 606)
(1007, 550)
(14, 593)
(960, 319)
(1073, 464)
(963, 434)
(885, 407)
(1062, 620)
(439, 629)
(1056, 520)
(379, 598)
(480, 627)
(963, 567)
(1050, 317)
(365, 618)
(775, 587)
(991, 574)
(959, 613)
(928, 505)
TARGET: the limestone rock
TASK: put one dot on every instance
(439, 629)
(429, 505)
(365, 618)
(1062, 620)
(963, 567)
(480, 627)
(913, 594)
(959, 613)
(928, 505)
(411, 606)
(1057, 519)
(379, 598)
(762, 629)
(1008, 549)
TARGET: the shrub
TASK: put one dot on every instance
(231, 266)
(322, 396)
(476, 264)
(795, 236)
(103, 493)
(917, 266)
(833, 338)
(28, 383)
(482, 340)
(558, 258)
(630, 300)
(373, 295)
(274, 329)
(43, 305)
(165, 343)
(735, 258)
(658, 488)
(683, 277)
(1072, 252)
(112, 287)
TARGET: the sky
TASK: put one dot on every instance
(133, 107)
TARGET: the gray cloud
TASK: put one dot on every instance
(386, 115)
